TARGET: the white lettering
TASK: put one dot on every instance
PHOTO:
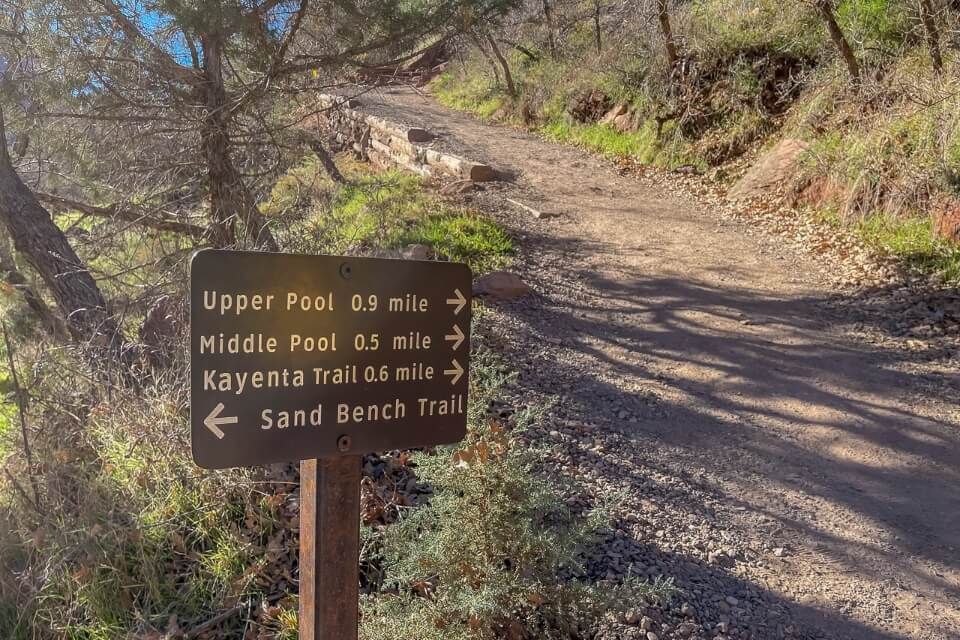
(295, 418)
(408, 302)
(239, 381)
(307, 303)
(236, 303)
(313, 345)
(371, 413)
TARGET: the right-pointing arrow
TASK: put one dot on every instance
(213, 421)
(456, 372)
(457, 300)
(456, 337)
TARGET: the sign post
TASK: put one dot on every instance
(322, 359)
(329, 548)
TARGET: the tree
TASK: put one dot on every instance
(15, 279)
(41, 242)
(507, 75)
(195, 101)
(932, 33)
(551, 28)
(596, 26)
(666, 31)
(825, 8)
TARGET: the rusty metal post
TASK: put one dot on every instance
(329, 548)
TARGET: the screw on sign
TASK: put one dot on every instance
(322, 359)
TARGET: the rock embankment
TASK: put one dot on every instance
(391, 143)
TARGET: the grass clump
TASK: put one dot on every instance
(912, 241)
(463, 237)
(113, 532)
(471, 93)
(723, 28)
(130, 533)
(642, 145)
(479, 97)
(377, 211)
(495, 552)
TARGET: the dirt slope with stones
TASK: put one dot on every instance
(787, 449)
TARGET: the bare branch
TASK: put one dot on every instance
(173, 68)
(124, 212)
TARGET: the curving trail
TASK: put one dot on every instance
(711, 357)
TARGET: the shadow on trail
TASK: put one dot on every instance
(723, 372)
(618, 554)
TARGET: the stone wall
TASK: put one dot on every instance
(389, 143)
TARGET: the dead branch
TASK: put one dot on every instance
(124, 212)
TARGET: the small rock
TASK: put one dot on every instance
(617, 110)
(626, 123)
(720, 558)
(779, 552)
(416, 252)
(500, 284)
(652, 636)
(772, 170)
(732, 601)
(459, 187)
(646, 623)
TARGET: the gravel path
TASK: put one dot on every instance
(798, 476)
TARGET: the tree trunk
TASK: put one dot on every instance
(825, 7)
(507, 76)
(12, 276)
(596, 26)
(487, 56)
(522, 49)
(933, 35)
(551, 35)
(669, 44)
(45, 247)
(230, 199)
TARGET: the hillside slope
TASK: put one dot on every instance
(729, 80)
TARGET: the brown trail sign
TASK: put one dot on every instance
(322, 359)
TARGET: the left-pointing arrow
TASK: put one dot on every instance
(455, 372)
(213, 421)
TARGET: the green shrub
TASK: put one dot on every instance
(720, 28)
(129, 533)
(874, 24)
(912, 241)
(473, 92)
(495, 552)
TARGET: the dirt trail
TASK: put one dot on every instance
(711, 350)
